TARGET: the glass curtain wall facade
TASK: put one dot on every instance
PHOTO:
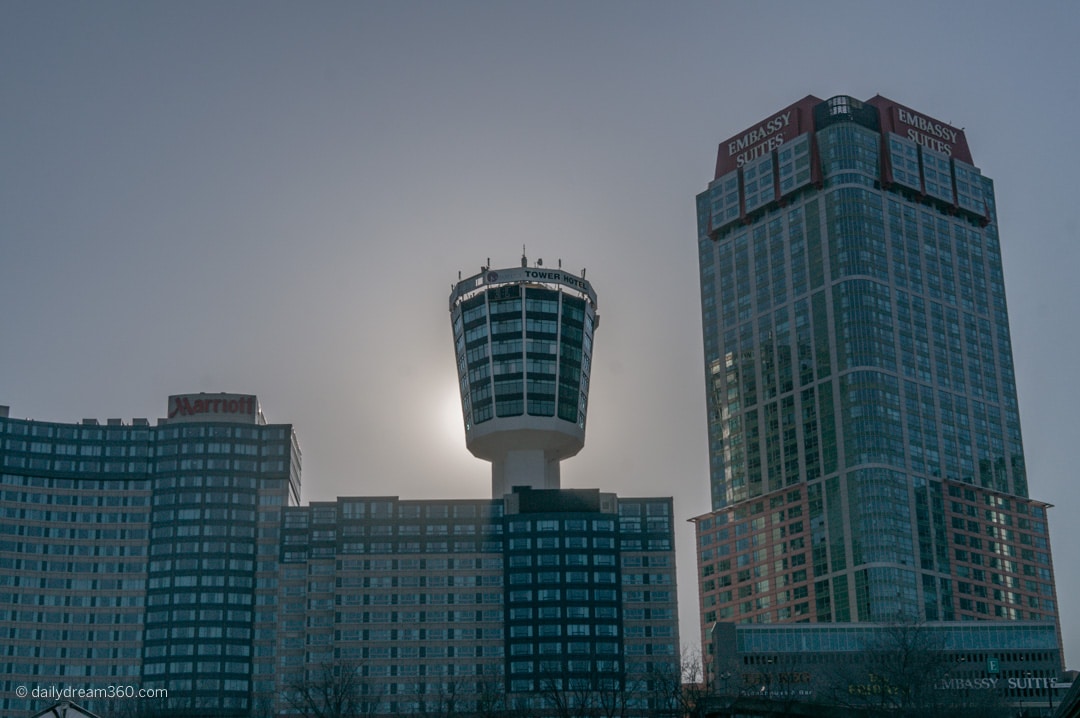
(408, 594)
(523, 350)
(217, 490)
(859, 368)
(523, 341)
(542, 600)
(174, 557)
(142, 556)
(75, 522)
(1014, 663)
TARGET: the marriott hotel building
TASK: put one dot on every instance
(177, 557)
(865, 449)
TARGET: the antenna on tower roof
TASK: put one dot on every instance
(560, 262)
(524, 259)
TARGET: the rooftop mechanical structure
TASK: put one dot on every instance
(523, 339)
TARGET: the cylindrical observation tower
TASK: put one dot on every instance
(523, 339)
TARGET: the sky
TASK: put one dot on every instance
(275, 198)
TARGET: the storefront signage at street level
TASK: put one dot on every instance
(213, 407)
(991, 683)
(757, 679)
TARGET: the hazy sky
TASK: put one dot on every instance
(274, 198)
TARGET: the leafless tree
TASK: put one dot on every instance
(613, 698)
(336, 690)
(654, 691)
(491, 700)
(588, 698)
(902, 674)
(452, 698)
(565, 700)
(685, 694)
(262, 705)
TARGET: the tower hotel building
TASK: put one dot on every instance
(177, 557)
(865, 450)
(523, 339)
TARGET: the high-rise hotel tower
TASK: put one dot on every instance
(523, 339)
(866, 457)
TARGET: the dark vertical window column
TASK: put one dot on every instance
(541, 349)
(507, 349)
(571, 334)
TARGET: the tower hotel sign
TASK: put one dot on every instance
(527, 275)
(238, 408)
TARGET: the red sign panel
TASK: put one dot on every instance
(922, 129)
(766, 136)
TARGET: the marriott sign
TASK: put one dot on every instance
(239, 408)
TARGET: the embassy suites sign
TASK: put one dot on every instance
(240, 408)
(766, 136)
(787, 124)
(926, 132)
(993, 683)
(922, 130)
